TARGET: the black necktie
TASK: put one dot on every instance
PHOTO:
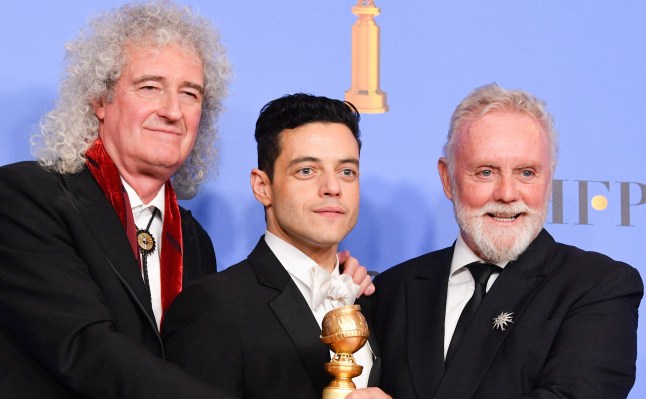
(480, 272)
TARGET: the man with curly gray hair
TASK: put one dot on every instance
(94, 245)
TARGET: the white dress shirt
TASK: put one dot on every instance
(301, 268)
(461, 287)
(142, 214)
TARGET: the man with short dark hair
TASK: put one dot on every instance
(506, 312)
(253, 330)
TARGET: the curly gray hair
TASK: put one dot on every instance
(490, 98)
(94, 63)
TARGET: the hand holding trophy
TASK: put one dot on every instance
(345, 331)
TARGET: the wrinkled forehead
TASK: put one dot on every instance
(504, 133)
(148, 44)
(496, 122)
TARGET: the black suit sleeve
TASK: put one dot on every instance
(54, 309)
(595, 350)
(201, 336)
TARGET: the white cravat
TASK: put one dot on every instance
(307, 274)
(142, 213)
(331, 290)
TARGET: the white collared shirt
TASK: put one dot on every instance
(142, 214)
(461, 287)
(299, 266)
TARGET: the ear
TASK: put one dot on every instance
(443, 169)
(98, 106)
(261, 186)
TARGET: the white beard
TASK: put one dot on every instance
(498, 243)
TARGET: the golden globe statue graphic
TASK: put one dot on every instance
(365, 93)
(344, 331)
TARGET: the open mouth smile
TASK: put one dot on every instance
(504, 218)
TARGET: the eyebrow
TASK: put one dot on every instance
(303, 159)
(350, 160)
(157, 78)
(314, 159)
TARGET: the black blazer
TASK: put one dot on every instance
(249, 331)
(75, 319)
(574, 330)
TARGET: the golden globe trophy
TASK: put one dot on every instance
(344, 331)
(365, 93)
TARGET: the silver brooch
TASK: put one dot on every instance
(501, 321)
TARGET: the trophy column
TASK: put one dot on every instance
(365, 93)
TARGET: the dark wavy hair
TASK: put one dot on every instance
(292, 111)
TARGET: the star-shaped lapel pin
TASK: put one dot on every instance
(501, 321)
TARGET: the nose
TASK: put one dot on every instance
(506, 189)
(330, 185)
(169, 107)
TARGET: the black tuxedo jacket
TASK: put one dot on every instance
(75, 319)
(249, 331)
(572, 335)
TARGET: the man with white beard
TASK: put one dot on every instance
(506, 312)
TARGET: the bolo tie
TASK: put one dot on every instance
(146, 243)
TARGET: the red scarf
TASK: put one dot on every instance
(171, 262)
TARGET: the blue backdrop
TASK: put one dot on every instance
(586, 58)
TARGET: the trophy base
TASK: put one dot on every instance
(342, 384)
(336, 392)
(367, 101)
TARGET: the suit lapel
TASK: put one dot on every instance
(294, 314)
(191, 251)
(86, 196)
(511, 293)
(375, 372)
(367, 308)
(426, 306)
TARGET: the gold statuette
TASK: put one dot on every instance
(365, 93)
(344, 331)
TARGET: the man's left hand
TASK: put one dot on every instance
(359, 273)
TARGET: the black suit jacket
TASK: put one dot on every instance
(249, 331)
(573, 333)
(75, 319)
